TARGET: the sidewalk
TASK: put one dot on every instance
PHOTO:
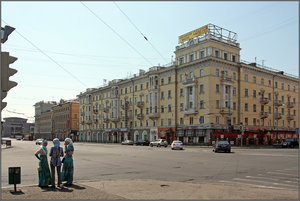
(149, 190)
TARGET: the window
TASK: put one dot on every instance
(125, 90)
(246, 121)
(217, 53)
(288, 87)
(217, 72)
(294, 99)
(282, 86)
(201, 120)
(162, 94)
(190, 90)
(169, 94)
(181, 78)
(254, 108)
(191, 57)
(161, 122)
(147, 98)
(225, 56)
(169, 122)
(169, 108)
(202, 55)
(270, 96)
(254, 79)
(162, 81)
(192, 75)
(181, 121)
(246, 77)
(234, 91)
(276, 85)
(246, 107)
(141, 86)
(202, 104)
(233, 58)
(254, 121)
(181, 106)
(181, 92)
(147, 123)
(201, 72)
(282, 111)
(147, 85)
(217, 88)
(282, 99)
(147, 110)
(181, 60)
(234, 105)
(191, 120)
(283, 123)
(294, 88)
(135, 88)
(130, 89)
(162, 109)
(270, 110)
(269, 83)
(154, 123)
(246, 92)
(262, 81)
(191, 105)
(254, 93)
(201, 89)
(217, 120)
(217, 104)
(234, 76)
(169, 80)
(234, 120)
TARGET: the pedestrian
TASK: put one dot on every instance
(55, 153)
(43, 169)
(68, 168)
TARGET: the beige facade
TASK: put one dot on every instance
(207, 90)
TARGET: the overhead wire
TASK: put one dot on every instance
(139, 31)
(49, 57)
(116, 33)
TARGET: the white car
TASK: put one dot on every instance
(39, 141)
(177, 145)
(159, 142)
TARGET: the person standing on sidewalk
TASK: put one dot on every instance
(68, 168)
(55, 153)
(43, 169)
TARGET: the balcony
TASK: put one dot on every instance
(225, 111)
(95, 120)
(225, 78)
(140, 104)
(190, 111)
(290, 117)
(263, 115)
(290, 105)
(189, 80)
(277, 115)
(82, 113)
(140, 116)
(82, 122)
(88, 121)
(128, 117)
(154, 115)
(264, 101)
(95, 111)
(115, 119)
(106, 109)
(106, 120)
(278, 103)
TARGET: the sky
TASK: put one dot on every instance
(63, 48)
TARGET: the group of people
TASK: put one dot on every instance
(56, 153)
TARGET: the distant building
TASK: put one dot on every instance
(13, 126)
(41, 109)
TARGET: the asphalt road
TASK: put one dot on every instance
(266, 168)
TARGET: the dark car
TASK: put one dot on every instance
(290, 143)
(142, 142)
(222, 146)
(278, 144)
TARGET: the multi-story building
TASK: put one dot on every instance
(65, 119)
(41, 107)
(45, 124)
(206, 94)
(13, 126)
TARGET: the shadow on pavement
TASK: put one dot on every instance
(57, 189)
(77, 187)
(17, 192)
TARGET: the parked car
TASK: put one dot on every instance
(39, 141)
(159, 142)
(127, 142)
(177, 145)
(222, 146)
(142, 142)
(290, 143)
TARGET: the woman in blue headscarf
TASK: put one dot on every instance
(43, 170)
(68, 168)
(55, 153)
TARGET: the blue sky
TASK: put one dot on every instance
(84, 46)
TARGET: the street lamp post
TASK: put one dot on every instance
(242, 132)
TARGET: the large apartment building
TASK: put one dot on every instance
(206, 94)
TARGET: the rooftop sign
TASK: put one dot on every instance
(193, 34)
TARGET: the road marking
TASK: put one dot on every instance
(258, 186)
(283, 173)
(263, 178)
(282, 177)
(239, 179)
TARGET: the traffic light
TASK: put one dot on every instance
(6, 72)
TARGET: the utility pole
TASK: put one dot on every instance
(242, 132)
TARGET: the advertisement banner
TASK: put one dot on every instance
(193, 34)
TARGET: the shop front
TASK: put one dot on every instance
(153, 134)
(167, 133)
